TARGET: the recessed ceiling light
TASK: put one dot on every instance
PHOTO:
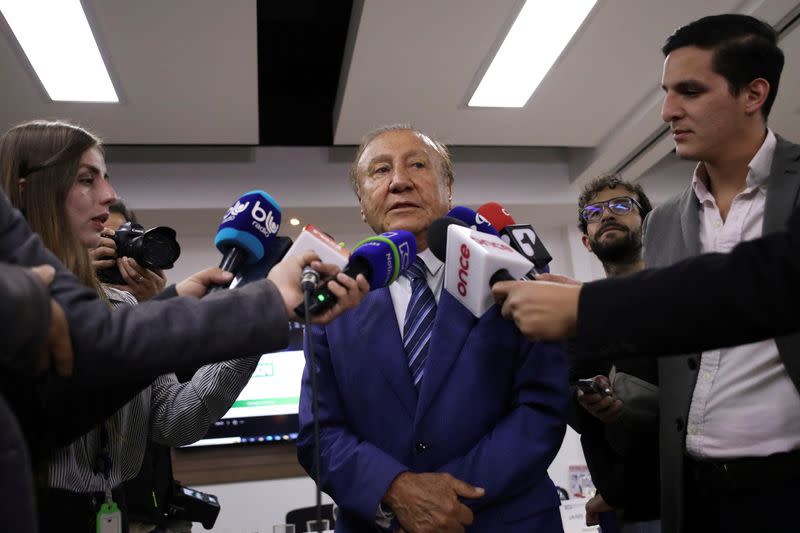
(294, 221)
(538, 36)
(60, 46)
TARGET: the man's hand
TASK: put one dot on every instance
(428, 503)
(57, 349)
(605, 408)
(197, 284)
(141, 282)
(286, 276)
(542, 310)
(557, 278)
(594, 507)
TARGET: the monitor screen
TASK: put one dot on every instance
(266, 409)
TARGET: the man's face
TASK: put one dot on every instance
(401, 184)
(614, 237)
(705, 118)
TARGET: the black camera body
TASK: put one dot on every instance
(156, 248)
(192, 505)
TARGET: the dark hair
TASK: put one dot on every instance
(120, 208)
(744, 49)
(611, 181)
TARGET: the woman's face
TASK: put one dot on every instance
(89, 197)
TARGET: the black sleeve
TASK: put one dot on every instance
(750, 294)
(130, 345)
(25, 315)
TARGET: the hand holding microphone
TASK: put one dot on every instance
(542, 310)
(347, 291)
(379, 259)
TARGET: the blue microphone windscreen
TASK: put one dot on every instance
(472, 219)
(388, 254)
(250, 224)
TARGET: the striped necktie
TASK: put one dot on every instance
(419, 320)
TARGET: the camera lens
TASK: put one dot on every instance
(158, 248)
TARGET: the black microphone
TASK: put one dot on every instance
(521, 237)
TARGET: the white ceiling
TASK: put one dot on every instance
(187, 74)
(185, 71)
(419, 61)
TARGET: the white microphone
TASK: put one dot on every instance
(326, 248)
(474, 261)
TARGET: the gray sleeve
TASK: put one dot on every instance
(130, 345)
(25, 315)
(181, 413)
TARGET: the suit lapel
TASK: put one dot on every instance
(381, 341)
(451, 328)
(783, 186)
(783, 189)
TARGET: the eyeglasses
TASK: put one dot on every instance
(622, 205)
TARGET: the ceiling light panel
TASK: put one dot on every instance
(56, 37)
(540, 33)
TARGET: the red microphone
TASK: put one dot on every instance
(497, 215)
(521, 237)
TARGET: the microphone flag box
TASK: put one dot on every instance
(327, 249)
(473, 258)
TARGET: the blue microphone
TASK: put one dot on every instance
(380, 258)
(247, 231)
(472, 219)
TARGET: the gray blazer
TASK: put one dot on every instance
(672, 233)
(117, 354)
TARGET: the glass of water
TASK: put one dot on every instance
(311, 525)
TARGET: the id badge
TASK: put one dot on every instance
(109, 519)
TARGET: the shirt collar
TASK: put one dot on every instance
(432, 264)
(757, 175)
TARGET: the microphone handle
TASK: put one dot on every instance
(323, 299)
(501, 275)
(232, 261)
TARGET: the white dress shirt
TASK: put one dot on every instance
(744, 403)
(400, 290)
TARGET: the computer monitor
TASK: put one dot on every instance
(265, 411)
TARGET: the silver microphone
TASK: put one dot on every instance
(309, 279)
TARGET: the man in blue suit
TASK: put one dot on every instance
(431, 420)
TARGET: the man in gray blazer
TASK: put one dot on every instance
(730, 418)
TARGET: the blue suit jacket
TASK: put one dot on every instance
(491, 411)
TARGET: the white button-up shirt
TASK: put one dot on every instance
(400, 290)
(744, 403)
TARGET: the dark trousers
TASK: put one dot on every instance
(64, 511)
(753, 495)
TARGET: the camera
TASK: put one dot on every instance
(193, 506)
(153, 249)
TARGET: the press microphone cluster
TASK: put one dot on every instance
(380, 258)
(474, 261)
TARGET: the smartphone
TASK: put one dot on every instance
(590, 386)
